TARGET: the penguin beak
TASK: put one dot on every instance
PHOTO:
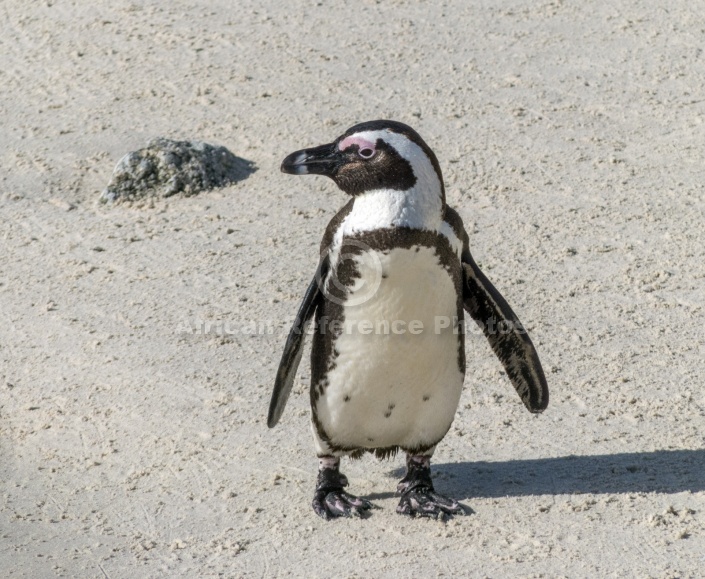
(323, 160)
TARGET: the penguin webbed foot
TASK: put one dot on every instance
(330, 501)
(419, 498)
(425, 502)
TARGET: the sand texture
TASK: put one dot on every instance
(133, 443)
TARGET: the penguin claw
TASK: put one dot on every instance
(423, 502)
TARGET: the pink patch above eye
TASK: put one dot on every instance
(359, 141)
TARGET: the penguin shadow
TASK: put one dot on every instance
(395, 474)
(661, 471)
(381, 496)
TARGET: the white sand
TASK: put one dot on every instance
(572, 141)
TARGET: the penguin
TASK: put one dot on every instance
(393, 282)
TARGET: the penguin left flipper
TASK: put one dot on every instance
(506, 335)
(293, 349)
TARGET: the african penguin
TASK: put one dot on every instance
(388, 298)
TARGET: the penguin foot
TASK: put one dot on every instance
(418, 497)
(424, 502)
(330, 501)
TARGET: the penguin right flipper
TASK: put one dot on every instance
(294, 347)
(505, 333)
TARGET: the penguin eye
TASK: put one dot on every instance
(366, 153)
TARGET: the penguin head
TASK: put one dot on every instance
(372, 156)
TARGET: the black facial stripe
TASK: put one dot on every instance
(386, 170)
(402, 129)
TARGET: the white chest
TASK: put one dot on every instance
(396, 380)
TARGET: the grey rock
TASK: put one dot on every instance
(165, 168)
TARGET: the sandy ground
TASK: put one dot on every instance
(572, 141)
